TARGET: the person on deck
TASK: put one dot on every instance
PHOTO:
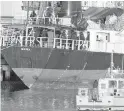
(63, 36)
(88, 38)
(33, 17)
(73, 37)
(45, 35)
(58, 33)
(82, 36)
(48, 13)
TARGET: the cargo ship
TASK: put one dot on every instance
(60, 41)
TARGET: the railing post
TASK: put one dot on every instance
(106, 47)
(72, 45)
(12, 40)
(54, 21)
(26, 41)
(54, 43)
(49, 19)
(41, 42)
(43, 20)
(86, 42)
(78, 44)
(30, 41)
(48, 42)
(21, 40)
(66, 43)
(60, 43)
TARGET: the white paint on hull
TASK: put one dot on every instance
(28, 74)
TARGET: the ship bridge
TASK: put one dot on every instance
(97, 37)
(94, 40)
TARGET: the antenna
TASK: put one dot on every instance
(27, 19)
(123, 64)
(27, 13)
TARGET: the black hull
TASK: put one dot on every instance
(49, 58)
(31, 64)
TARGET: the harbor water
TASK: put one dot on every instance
(46, 96)
(43, 96)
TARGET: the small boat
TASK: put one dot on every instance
(107, 93)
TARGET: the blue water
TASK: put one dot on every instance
(41, 97)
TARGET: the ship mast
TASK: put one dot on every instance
(27, 13)
(123, 64)
(112, 64)
(27, 19)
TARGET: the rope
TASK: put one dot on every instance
(45, 65)
(68, 67)
(84, 64)
(64, 72)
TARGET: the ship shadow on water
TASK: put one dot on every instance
(43, 95)
(14, 83)
(38, 99)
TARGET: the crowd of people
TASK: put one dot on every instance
(72, 34)
(64, 34)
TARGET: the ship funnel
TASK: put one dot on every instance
(73, 9)
(69, 8)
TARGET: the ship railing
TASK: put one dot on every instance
(43, 42)
(71, 44)
(16, 40)
(49, 21)
(59, 43)
(31, 41)
(25, 41)
(15, 21)
(18, 21)
(7, 40)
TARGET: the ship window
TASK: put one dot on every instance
(85, 3)
(60, 2)
(4, 75)
(97, 37)
(121, 84)
(83, 92)
(88, 36)
(108, 38)
(112, 84)
(103, 86)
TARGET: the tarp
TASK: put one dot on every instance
(96, 13)
(92, 11)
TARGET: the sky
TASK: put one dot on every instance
(12, 8)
